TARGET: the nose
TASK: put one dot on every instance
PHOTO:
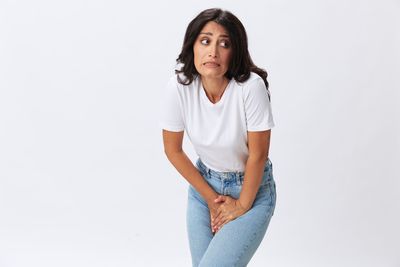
(213, 51)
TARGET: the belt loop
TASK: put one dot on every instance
(238, 178)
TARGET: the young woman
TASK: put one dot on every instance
(220, 99)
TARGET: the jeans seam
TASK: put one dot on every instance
(273, 196)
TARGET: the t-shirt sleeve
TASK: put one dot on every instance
(171, 118)
(257, 106)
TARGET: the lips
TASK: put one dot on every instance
(211, 64)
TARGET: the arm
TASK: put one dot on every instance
(178, 158)
(258, 143)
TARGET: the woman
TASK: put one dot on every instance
(221, 100)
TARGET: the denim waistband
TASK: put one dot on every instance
(238, 174)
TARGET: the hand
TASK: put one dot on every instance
(213, 207)
(229, 210)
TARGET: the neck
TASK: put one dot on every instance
(214, 88)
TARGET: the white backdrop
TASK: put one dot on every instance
(83, 177)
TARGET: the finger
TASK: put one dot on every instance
(225, 221)
(219, 227)
(218, 221)
(217, 214)
(214, 218)
(215, 222)
(212, 225)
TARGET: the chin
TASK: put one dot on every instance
(211, 74)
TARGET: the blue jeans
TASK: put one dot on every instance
(237, 241)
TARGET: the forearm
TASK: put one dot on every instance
(252, 180)
(186, 168)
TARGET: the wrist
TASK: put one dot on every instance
(243, 205)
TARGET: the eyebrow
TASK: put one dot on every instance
(209, 33)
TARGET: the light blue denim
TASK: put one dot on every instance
(237, 241)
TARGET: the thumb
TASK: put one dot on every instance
(219, 198)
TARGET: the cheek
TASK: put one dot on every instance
(195, 59)
(196, 56)
(227, 58)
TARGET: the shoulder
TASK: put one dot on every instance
(254, 77)
(253, 80)
(253, 84)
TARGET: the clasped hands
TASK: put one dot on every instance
(224, 209)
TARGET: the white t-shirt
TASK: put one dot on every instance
(218, 131)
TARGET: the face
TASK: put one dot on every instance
(212, 51)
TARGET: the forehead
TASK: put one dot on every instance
(214, 29)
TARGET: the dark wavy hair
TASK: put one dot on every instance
(240, 64)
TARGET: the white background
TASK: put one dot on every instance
(83, 177)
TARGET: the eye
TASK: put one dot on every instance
(204, 41)
(224, 43)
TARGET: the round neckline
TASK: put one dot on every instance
(221, 100)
